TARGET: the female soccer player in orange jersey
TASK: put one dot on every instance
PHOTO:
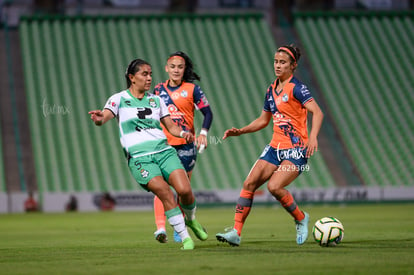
(287, 102)
(182, 97)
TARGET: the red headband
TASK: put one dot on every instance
(288, 51)
(175, 56)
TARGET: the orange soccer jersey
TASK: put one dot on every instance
(289, 114)
(181, 102)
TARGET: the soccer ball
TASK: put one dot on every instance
(328, 231)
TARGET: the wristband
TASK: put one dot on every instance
(203, 132)
(182, 133)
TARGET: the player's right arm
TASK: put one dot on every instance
(100, 117)
(259, 123)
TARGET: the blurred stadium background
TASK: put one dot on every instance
(60, 59)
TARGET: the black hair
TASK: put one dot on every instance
(294, 50)
(189, 74)
(133, 68)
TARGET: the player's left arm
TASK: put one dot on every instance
(201, 102)
(175, 130)
(208, 119)
(317, 118)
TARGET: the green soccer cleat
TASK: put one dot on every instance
(188, 244)
(161, 236)
(198, 230)
(231, 237)
(302, 229)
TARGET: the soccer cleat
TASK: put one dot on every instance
(231, 237)
(302, 229)
(198, 230)
(188, 244)
(177, 237)
(161, 236)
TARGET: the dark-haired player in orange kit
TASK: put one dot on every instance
(182, 98)
(287, 102)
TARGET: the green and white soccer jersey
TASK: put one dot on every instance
(140, 130)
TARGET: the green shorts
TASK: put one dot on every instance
(146, 167)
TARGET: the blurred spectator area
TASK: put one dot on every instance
(11, 10)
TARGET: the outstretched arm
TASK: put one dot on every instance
(317, 118)
(101, 117)
(259, 123)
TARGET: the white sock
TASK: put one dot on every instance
(177, 222)
(189, 213)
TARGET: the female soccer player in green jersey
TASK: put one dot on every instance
(153, 163)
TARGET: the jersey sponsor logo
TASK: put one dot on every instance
(111, 103)
(266, 149)
(279, 119)
(144, 123)
(278, 101)
(172, 108)
(186, 153)
(143, 112)
(293, 153)
(204, 100)
(140, 128)
(192, 163)
(304, 90)
(175, 95)
(163, 93)
(174, 112)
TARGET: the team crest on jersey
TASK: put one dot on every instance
(144, 173)
(152, 103)
(285, 98)
(184, 93)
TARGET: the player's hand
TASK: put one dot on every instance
(97, 116)
(233, 132)
(188, 136)
(201, 143)
(312, 147)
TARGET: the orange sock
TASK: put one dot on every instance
(159, 213)
(243, 207)
(290, 205)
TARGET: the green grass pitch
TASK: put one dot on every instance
(379, 239)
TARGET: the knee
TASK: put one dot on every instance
(184, 191)
(275, 190)
(250, 185)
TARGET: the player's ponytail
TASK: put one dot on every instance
(189, 74)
